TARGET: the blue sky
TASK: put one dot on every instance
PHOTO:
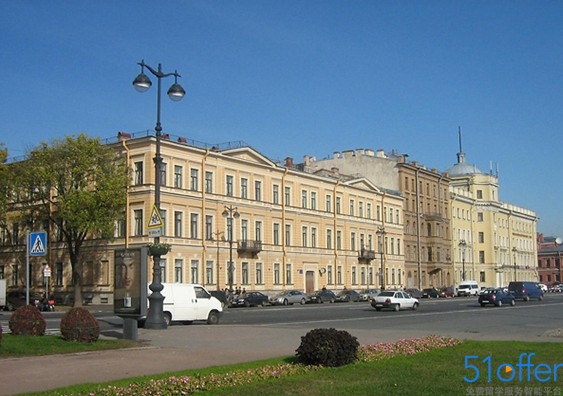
(294, 78)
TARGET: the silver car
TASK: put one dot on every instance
(289, 298)
(368, 294)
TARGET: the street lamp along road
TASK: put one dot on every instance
(462, 246)
(381, 233)
(230, 212)
(155, 314)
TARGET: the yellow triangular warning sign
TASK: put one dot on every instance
(155, 220)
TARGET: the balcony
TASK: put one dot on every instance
(252, 247)
(366, 255)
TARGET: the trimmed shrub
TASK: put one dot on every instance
(328, 347)
(27, 320)
(78, 324)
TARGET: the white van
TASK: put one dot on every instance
(184, 302)
(467, 288)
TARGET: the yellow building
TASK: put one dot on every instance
(493, 241)
(281, 227)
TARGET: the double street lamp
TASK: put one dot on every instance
(155, 315)
(462, 246)
(381, 234)
(514, 250)
(230, 213)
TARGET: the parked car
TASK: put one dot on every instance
(250, 299)
(525, 290)
(485, 289)
(430, 293)
(348, 296)
(395, 300)
(496, 297)
(415, 293)
(322, 296)
(467, 288)
(289, 298)
(368, 294)
(447, 292)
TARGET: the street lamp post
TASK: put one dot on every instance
(514, 250)
(462, 246)
(381, 233)
(155, 315)
(230, 213)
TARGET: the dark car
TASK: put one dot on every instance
(348, 296)
(496, 297)
(447, 292)
(415, 293)
(322, 296)
(525, 290)
(430, 293)
(250, 299)
(16, 299)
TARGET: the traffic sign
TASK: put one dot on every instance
(37, 243)
(155, 220)
(47, 271)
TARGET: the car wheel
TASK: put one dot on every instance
(246, 304)
(378, 309)
(302, 302)
(499, 303)
(483, 304)
(167, 318)
(541, 298)
(331, 300)
(397, 307)
(285, 302)
(262, 303)
(527, 298)
(512, 303)
(213, 318)
(415, 306)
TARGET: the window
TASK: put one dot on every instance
(304, 236)
(481, 257)
(276, 234)
(208, 182)
(258, 231)
(482, 277)
(329, 239)
(277, 280)
(313, 237)
(194, 275)
(304, 199)
(353, 241)
(287, 196)
(138, 172)
(391, 215)
(244, 230)
(178, 170)
(339, 240)
(339, 275)
(193, 225)
(361, 209)
(244, 188)
(368, 210)
(230, 235)
(209, 227)
(352, 203)
(229, 185)
(194, 177)
(163, 174)
(258, 190)
(244, 274)
(329, 274)
(163, 217)
(59, 274)
(177, 224)
(354, 275)
(288, 278)
(259, 278)
(121, 230)
(288, 235)
(138, 219)
(338, 205)
(479, 194)
(313, 200)
(178, 269)
(209, 272)
(276, 194)
(481, 237)
(480, 216)
(162, 266)
(328, 203)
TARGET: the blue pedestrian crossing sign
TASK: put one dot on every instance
(37, 243)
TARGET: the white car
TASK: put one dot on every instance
(395, 300)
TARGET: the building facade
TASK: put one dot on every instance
(550, 257)
(280, 227)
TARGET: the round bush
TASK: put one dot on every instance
(78, 324)
(327, 347)
(27, 320)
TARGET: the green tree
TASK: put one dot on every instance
(5, 181)
(80, 186)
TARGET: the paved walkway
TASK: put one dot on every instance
(177, 348)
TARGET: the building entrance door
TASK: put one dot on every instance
(309, 282)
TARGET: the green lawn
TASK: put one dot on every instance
(436, 372)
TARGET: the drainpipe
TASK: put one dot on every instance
(124, 144)
(203, 201)
(284, 250)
